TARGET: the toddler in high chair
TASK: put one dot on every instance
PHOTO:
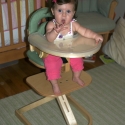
(61, 27)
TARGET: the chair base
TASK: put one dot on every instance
(67, 85)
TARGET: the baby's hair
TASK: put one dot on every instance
(51, 3)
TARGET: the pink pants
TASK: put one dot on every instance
(53, 66)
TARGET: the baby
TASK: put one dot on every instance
(61, 27)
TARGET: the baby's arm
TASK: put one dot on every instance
(51, 34)
(52, 31)
(86, 32)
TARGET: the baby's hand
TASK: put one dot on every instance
(98, 39)
(58, 28)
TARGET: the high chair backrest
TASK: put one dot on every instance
(35, 21)
(36, 24)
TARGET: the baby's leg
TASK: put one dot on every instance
(53, 66)
(77, 67)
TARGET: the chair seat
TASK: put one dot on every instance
(65, 83)
(95, 21)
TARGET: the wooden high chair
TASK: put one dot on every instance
(39, 83)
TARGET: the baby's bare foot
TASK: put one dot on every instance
(56, 89)
(79, 81)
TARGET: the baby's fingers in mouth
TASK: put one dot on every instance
(63, 21)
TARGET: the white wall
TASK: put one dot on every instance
(120, 9)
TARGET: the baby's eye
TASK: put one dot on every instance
(59, 10)
(68, 11)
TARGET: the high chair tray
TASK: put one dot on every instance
(78, 46)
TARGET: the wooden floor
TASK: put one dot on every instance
(12, 78)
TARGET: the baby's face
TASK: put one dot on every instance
(63, 13)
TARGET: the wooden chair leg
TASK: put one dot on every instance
(19, 112)
(67, 86)
(66, 110)
(81, 109)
